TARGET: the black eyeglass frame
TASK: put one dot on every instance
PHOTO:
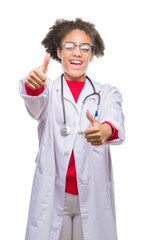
(77, 45)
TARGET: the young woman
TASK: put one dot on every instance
(72, 194)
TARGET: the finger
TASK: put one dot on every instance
(91, 130)
(92, 136)
(30, 85)
(40, 74)
(98, 143)
(33, 82)
(91, 119)
(94, 141)
(36, 83)
(45, 63)
(34, 77)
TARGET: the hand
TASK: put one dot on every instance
(37, 77)
(98, 133)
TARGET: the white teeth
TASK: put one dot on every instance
(76, 62)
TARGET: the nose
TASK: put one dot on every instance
(77, 51)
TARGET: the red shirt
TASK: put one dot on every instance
(71, 177)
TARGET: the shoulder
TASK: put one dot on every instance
(105, 88)
(107, 91)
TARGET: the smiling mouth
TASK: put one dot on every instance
(76, 62)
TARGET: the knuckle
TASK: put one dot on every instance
(44, 77)
(99, 135)
(32, 74)
(41, 83)
(101, 141)
(29, 80)
(36, 71)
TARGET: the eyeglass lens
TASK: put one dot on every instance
(71, 46)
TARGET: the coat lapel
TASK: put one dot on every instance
(66, 91)
(87, 89)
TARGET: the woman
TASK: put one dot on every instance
(72, 194)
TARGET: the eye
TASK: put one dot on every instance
(69, 46)
(85, 47)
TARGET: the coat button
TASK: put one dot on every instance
(83, 181)
(66, 153)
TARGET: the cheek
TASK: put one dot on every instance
(90, 57)
(64, 61)
(87, 61)
(65, 64)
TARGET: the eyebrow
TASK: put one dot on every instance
(79, 43)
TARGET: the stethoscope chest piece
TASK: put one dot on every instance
(65, 130)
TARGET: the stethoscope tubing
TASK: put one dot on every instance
(63, 105)
(62, 100)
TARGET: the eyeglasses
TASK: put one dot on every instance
(84, 48)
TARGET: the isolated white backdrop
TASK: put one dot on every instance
(23, 26)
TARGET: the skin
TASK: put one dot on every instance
(98, 133)
(71, 72)
(37, 77)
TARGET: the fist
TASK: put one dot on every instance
(98, 133)
(37, 77)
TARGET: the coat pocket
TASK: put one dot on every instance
(41, 197)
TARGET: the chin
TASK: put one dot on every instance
(75, 74)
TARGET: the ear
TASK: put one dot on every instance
(59, 53)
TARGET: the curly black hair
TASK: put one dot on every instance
(62, 27)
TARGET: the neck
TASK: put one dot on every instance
(81, 78)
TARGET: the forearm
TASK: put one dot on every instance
(114, 134)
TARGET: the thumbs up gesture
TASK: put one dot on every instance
(98, 133)
(37, 77)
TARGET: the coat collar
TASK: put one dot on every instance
(87, 89)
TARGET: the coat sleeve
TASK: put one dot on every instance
(36, 105)
(111, 111)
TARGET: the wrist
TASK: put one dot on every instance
(108, 130)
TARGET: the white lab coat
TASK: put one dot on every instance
(93, 163)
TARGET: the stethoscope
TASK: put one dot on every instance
(65, 129)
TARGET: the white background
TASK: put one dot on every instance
(23, 26)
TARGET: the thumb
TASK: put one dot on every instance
(93, 121)
(45, 63)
